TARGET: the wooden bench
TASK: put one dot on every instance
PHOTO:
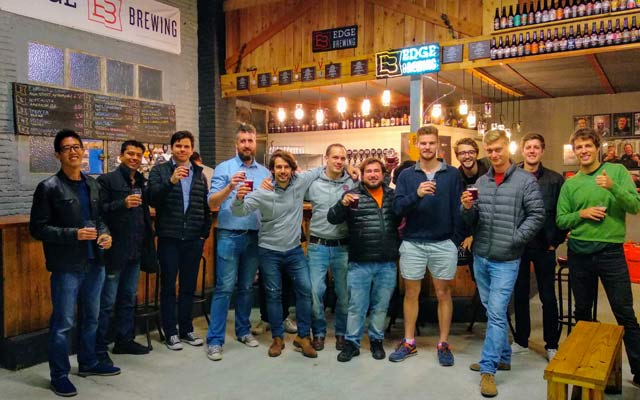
(590, 359)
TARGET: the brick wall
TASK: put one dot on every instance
(180, 86)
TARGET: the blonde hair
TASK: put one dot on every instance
(494, 135)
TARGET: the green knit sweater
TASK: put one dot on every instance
(581, 191)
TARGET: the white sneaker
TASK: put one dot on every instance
(517, 349)
(260, 328)
(290, 326)
(248, 340)
(214, 352)
(551, 353)
(173, 343)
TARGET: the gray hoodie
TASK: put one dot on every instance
(323, 194)
(281, 211)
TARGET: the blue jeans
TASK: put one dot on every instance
(119, 290)
(178, 257)
(320, 259)
(369, 283)
(272, 265)
(495, 280)
(236, 261)
(67, 288)
(610, 266)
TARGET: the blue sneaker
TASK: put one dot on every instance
(63, 387)
(100, 370)
(403, 351)
(445, 357)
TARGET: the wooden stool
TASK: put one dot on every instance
(590, 359)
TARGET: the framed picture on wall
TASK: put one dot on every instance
(582, 121)
(636, 124)
(602, 124)
(622, 124)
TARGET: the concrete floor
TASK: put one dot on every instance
(248, 373)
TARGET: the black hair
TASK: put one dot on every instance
(133, 143)
(63, 134)
(182, 135)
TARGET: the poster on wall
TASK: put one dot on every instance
(622, 124)
(145, 22)
(602, 124)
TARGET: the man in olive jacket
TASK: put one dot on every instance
(373, 253)
(508, 213)
(126, 212)
(66, 217)
(178, 191)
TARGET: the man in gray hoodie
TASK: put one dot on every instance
(279, 245)
(328, 246)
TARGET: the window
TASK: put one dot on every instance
(120, 78)
(85, 71)
(149, 83)
(46, 64)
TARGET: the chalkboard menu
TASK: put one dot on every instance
(452, 54)
(43, 111)
(359, 67)
(333, 71)
(308, 74)
(284, 77)
(264, 80)
(242, 82)
(478, 50)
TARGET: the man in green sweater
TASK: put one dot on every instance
(593, 205)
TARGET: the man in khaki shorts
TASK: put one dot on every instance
(428, 196)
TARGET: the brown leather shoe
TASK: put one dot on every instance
(501, 367)
(488, 385)
(304, 346)
(318, 343)
(340, 343)
(276, 347)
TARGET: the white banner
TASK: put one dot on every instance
(144, 22)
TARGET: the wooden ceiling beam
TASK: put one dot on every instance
(602, 75)
(232, 5)
(490, 80)
(468, 28)
(530, 84)
(395, 95)
(300, 8)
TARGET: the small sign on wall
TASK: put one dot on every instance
(345, 37)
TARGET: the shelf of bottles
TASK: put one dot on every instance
(394, 116)
(530, 43)
(564, 10)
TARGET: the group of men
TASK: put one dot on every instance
(514, 215)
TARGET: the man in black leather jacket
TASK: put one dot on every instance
(126, 212)
(66, 217)
(373, 253)
(178, 191)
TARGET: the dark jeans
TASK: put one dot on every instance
(610, 266)
(288, 298)
(275, 264)
(178, 258)
(118, 301)
(544, 263)
(67, 288)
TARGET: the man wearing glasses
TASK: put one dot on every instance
(470, 167)
(66, 217)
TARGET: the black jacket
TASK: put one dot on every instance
(171, 220)
(56, 217)
(373, 231)
(114, 189)
(550, 183)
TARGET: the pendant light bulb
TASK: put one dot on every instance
(487, 109)
(342, 105)
(282, 114)
(386, 98)
(299, 112)
(436, 111)
(366, 107)
(513, 147)
(471, 119)
(319, 116)
(463, 109)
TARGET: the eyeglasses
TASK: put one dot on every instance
(467, 153)
(76, 148)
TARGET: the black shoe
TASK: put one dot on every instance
(130, 348)
(103, 358)
(377, 351)
(636, 380)
(350, 350)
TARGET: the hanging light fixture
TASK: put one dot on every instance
(488, 107)
(386, 94)
(436, 108)
(282, 114)
(463, 108)
(299, 112)
(471, 117)
(319, 111)
(342, 102)
(366, 104)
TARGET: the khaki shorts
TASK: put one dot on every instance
(440, 257)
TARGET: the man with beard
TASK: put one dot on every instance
(126, 211)
(471, 168)
(629, 159)
(237, 244)
(541, 251)
(593, 205)
(428, 196)
(373, 251)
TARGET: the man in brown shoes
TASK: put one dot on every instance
(276, 347)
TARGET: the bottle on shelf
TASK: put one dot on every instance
(571, 39)
(606, 6)
(545, 12)
(535, 47)
(503, 18)
(549, 42)
(564, 42)
(527, 45)
(631, 4)
(556, 41)
(574, 9)
(510, 17)
(615, 5)
(493, 51)
(579, 40)
(271, 124)
(496, 20)
(500, 49)
(586, 37)
(602, 35)
(538, 14)
(531, 18)
(589, 9)
(506, 50)
(542, 47)
(634, 30)
(520, 47)
(609, 34)
(597, 7)
(566, 12)
(514, 46)
(559, 11)
(525, 15)
(552, 11)
(582, 9)
(622, 5)
(517, 17)
(617, 33)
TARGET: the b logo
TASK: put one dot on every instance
(320, 41)
(388, 64)
(106, 12)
